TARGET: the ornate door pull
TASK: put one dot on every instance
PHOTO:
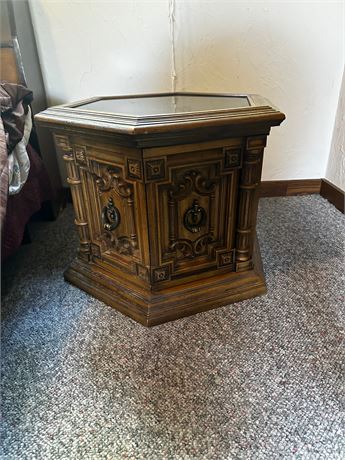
(110, 216)
(194, 217)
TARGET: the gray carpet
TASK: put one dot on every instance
(260, 379)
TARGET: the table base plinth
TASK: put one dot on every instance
(153, 308)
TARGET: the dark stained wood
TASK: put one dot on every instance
(272, 188)
(333, 194)
(165, 205)
(150, 308)
(289, 187)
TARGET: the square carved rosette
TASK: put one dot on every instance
(166, 216)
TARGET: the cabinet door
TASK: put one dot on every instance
(108, 194)
(191, 197)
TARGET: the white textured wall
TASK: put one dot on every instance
(94, 47)
(290, 52)
(336, 161)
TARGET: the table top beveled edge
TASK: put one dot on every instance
(260, 109)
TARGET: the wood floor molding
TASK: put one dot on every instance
(275, 188)
(333, 194)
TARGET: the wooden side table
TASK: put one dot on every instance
(164, 193)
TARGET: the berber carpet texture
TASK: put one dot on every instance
(261, 379)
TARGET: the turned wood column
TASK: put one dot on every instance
(247, 204)
(73, 179)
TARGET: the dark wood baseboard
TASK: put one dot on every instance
(333, 194)
(277, 188)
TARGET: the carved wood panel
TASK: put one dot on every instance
(193, 213)
(197, 221)
(109, 200)
(116, 213)
(116, 197)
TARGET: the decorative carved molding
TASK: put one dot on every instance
(161, 274)
(189, 181)
(123, 244)
(226, 258)
(254, 142)
(254, 156)
(80, 154)
(189, 249)
(232, 157)
(155, 169)
(134, 169)
(62, 142)
(111, 178)
(143, 272)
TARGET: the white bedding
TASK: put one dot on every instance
(18, 160)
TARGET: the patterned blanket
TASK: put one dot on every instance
(15, 128)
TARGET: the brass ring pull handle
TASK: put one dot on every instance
(194, 218)
(110, 216)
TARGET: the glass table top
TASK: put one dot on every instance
(165, 105)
